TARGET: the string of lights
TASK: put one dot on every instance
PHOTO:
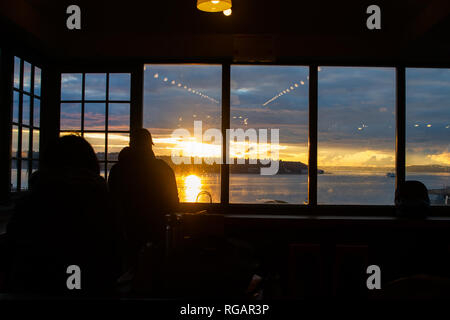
(288, 89)
(285, 91)
(185, 87)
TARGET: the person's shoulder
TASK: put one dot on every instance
(163, 165)
(161, 162)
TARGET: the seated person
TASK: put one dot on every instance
(63, 221)
(411, 199)
(416, 254)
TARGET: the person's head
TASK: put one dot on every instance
(71, 152)
(411, 199)
(124, 154)
(142, 140)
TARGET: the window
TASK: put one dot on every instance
(183, 111)
(183, 97)
(428, 131)
(265, 99)
(26, 123)
(356, 135)
(96, 106)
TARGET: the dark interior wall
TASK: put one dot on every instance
(6, 81)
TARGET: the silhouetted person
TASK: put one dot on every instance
(120, 198)
(411, 199)
(64, 220)
(147, 189)
(415, 248)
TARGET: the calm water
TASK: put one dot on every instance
(336, 188)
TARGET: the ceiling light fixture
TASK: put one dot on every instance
(214, 5)
(227, 12)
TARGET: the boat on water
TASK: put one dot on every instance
(390, 174)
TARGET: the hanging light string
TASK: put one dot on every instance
(185, 87)
(285, 91)
(288, 90)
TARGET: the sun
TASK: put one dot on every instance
(192, 182)
(192, 187)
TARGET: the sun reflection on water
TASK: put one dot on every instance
(192, 187)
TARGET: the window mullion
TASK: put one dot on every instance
(400, 134)
(83, 83)
(225, 167)
(136, 97)
(19, 132)
(106, 124)
(312, 139)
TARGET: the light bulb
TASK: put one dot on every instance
(227, 12)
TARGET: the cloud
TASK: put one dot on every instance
(355, 157)
(442, 158)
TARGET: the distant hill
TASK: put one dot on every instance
(428, 168)
(285, 167)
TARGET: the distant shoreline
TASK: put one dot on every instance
(288, 167)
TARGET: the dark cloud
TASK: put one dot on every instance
(428, 110)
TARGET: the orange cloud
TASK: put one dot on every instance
(442, 158)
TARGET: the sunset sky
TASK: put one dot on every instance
(356, 110)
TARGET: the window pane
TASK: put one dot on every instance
(16, 73)
(174, 97)
(25, 142)
(37, 113)
(15, 140)
(119, 86)
(264, 98)
(94, 116)
(116, 142)
(97, 141)
(14, 175)
(16, 107)
(24, 175)
(35, 144)
(70, 116)
(37, 81)
(71, 84)
(25, 109)
(119, 116)
(26, 76)
(428, 131)
(95, 86)
(356, 135)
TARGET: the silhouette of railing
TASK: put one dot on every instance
(202, 193)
